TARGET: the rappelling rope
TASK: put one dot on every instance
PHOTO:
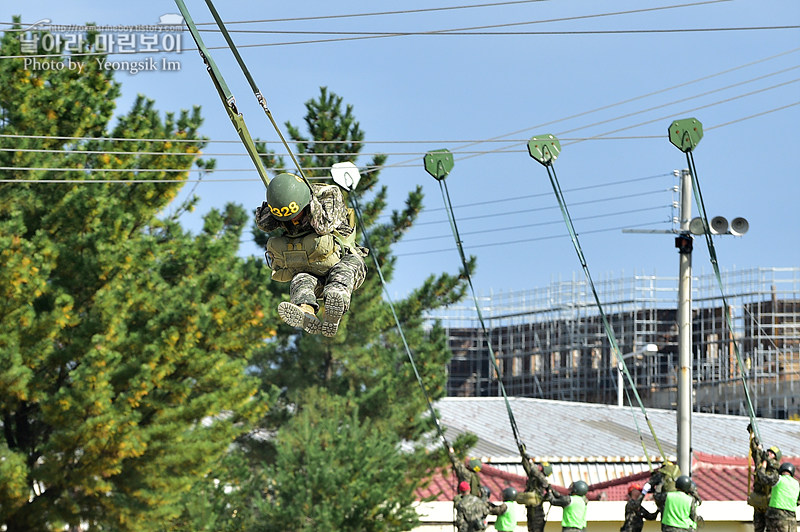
(715, 264)
(437, 423)
(492, 357)
(551, 173)
(229, 102)
(261, 100)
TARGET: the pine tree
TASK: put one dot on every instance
(124, 339)
(354, 432)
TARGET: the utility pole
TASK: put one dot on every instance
(684, 318)
(684, 244)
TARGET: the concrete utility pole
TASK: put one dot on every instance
(684, 244)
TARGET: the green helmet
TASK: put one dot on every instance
(509, 494)
(579, 488)
(475, 465)
(287, 195)
(683, 483)
(777, 452)
(547, 469)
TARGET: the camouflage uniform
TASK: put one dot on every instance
(662, 481)
(537, 491)
(635, 514)
(759, 497)
(463, 473)
(326, 214)
(471, 512)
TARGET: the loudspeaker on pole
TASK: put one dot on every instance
(739, 226)
(719, 225)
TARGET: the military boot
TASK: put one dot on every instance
(337, 301)
(300, 316)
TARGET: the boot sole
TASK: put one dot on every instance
(334, 310)
(294, 316)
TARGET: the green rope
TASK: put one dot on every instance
(715, 264)
(638, 430)
(261, 100)
(357, 210)
(492, 357)
(225, 94)
(609, 331)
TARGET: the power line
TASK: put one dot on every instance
(498, 139)
(368, 168)
(350, 15)
(534, 239)
(543, 194)
(629, 100)
(550, 207)
(537, 224)
(454, 31)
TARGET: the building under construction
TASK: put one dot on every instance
(552, 342)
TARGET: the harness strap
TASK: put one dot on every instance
(261, 100)
(228, 101)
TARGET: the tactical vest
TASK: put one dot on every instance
(671, 472)
(574, 515)
(310, 253)
(507, 521)
(677, 510)
(530, 498)
(784, 494)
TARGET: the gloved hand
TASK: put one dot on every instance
(749, 427)
(646, 488)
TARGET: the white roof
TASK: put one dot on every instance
(563, 431)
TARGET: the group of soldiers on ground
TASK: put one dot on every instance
(775, 498)
(312, 246)
(776, 492)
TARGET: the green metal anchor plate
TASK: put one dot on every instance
(438, 163)
(686, 134)
(544, 148)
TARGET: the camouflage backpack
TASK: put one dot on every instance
(473, 511)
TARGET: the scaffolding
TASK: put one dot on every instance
(551, 343)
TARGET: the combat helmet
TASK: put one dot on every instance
(683, 483)
(579, 488)
(509, 493)
(287, 195)
(776, 451)
(787, 467)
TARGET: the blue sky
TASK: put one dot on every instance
(604, 77)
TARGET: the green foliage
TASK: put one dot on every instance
(337, 471)
(124, 340)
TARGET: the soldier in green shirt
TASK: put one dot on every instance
(574, 504)
(679, 512)
(506, 512)
(781, 515)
